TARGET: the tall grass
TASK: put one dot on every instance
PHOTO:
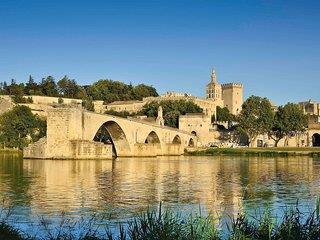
(260, 152)
(165, 225)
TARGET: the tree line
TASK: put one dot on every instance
(257, 117)
(106, 90)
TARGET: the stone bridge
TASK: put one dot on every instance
(73, 133)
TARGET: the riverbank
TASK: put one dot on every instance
(10, 150)
(164, 224)
(261, 152)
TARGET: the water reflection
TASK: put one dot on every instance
(126, 186)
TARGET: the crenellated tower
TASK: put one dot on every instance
(232, 95)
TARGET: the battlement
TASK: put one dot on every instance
(231, 85)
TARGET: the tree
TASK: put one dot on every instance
(87, 103)
(110, 91)
(171, 110)
(19, 127)
(256, 117)
(123, 114)
(289, 120)
(224, 115)
(141, 91)
(68, 88)
(49, 87)
(32, 88)
(15, 89)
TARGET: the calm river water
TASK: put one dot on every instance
(124, 187)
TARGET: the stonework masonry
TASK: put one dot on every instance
(225, 95)
(232, 95)
(71, 133)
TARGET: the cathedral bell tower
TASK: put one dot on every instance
(214, 90)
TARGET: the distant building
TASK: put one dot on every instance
(228, 95)
(310, 107)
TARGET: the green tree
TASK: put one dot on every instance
(15, 89)
(224, 115)
(69, 88)
(49, 87)
(19, 127)
(289, 120)
(171, 110)
(32, 88)
(123, 114)
(140, 91)
(256, 117)
(110, 91)
(87, 103)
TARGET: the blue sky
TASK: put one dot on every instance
(271, 46)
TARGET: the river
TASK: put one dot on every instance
(124, 187)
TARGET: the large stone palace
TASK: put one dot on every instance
(228, 95)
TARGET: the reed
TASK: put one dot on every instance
(165, 225)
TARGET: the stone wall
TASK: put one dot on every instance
(232, 95)
(53, 100)
(199, 125)
(5, 104)
(36, 150)
(63, 125)
(156, 149)
(82, 149)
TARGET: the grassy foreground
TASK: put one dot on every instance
(267, 152)
(165, 225)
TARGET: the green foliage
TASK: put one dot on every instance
(21, 99)
(69, 88)
(110, 91)
(49, 87)
(256, 117)
(87, 103)
(288, 120)
(123, 114)
(224, 115)
(140, 91)
(60, 100)
(166, 225)
(105, 90)
(171, 110)
(19, 127)
(15, 89)
(32, 88)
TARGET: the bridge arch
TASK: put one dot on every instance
(194, 133)
(176, 140)
(111, 132)
(152, 138)
(316, 140)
